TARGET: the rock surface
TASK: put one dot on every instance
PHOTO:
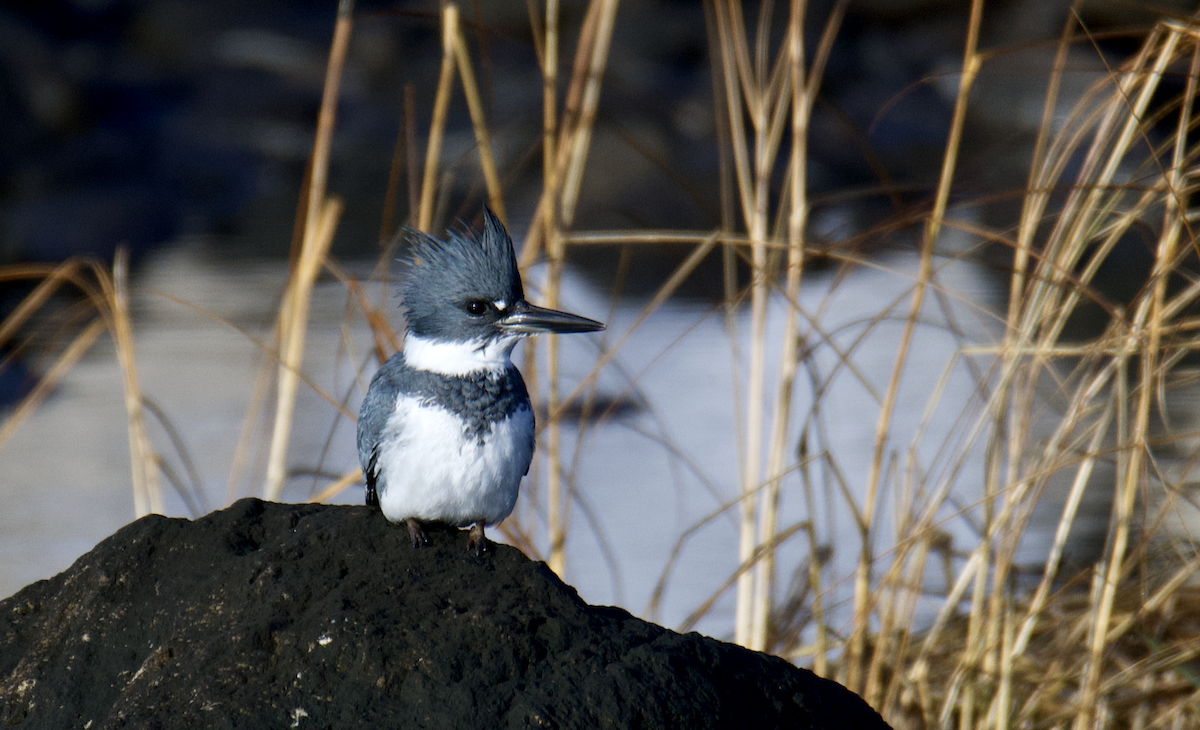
(310, 616)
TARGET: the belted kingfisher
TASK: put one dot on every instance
(445, 433)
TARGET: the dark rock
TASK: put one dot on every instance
(274, 615)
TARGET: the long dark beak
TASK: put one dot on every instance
(526, 319)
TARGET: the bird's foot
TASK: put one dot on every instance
(415, 533)
(476, 540)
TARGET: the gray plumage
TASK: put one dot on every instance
(481, 398)
(462, 268)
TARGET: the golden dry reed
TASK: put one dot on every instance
(1110, 644)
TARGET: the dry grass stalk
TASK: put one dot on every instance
(801, 103)
(319, 223)
(579, 138)
(80, 344)
(546, 36)
(557, 208)
(437, 126)
(577, 118)
(775, 97)
(147, 496)
(804, 93)
(766, 95)
(293, 328)
(487, 162)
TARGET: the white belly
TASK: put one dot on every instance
(443, 475)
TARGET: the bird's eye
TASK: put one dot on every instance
(477, 307)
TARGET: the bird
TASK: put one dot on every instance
(446, 430)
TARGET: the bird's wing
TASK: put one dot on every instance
(519, 384)
(373, 416)
(532, 440)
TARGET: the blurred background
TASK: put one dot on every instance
(181, 131)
